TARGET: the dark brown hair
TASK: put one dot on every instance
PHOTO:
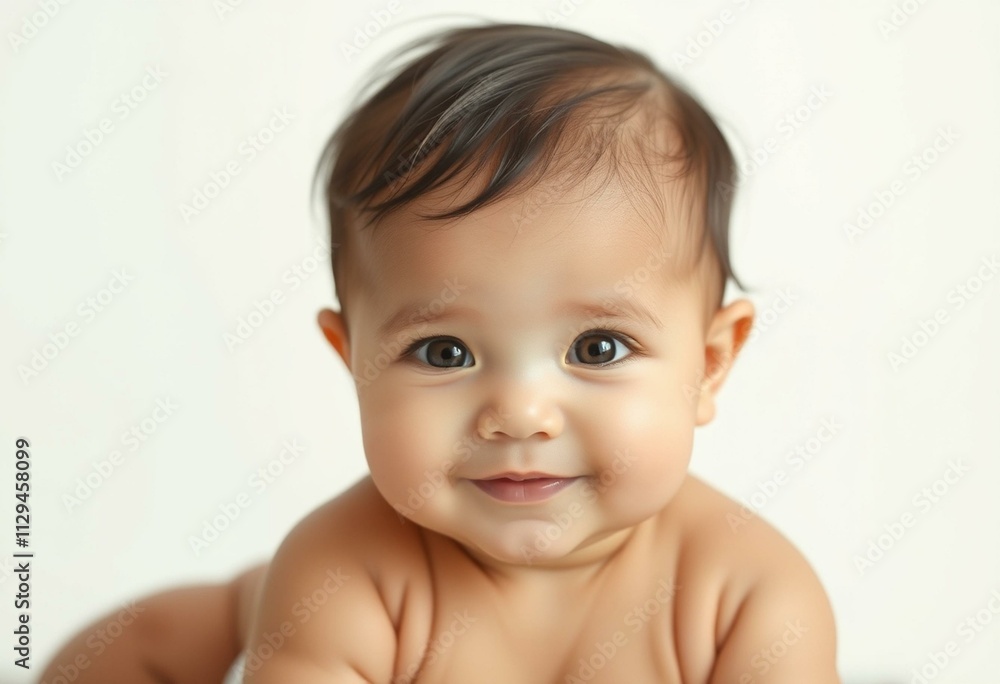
(501, 98)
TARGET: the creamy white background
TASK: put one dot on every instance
(162, 337)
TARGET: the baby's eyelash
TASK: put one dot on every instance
(416, 344)
(609, 327)
(620, 335)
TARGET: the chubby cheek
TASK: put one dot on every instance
(641, 448)
(408, 442)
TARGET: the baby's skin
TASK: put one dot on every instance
(529, 517)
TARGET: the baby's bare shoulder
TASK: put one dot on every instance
(359, 529)
(331, 595)
(726, 539)
(767, 594)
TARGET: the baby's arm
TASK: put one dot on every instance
(321, 619)
(189, 635)
(784, 630)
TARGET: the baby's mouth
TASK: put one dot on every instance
(523, 488)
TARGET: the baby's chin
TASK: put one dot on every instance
(529, 542)
(535, 544)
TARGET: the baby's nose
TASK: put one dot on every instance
(520, 413)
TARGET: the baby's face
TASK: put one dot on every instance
(559, 349)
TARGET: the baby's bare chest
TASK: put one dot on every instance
(613, 634)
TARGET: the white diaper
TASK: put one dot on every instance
(235, 674)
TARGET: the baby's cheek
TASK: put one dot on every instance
(645, 446)
(406, 444)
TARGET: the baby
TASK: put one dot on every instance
(530, 231)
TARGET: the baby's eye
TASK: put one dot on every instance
(597, 348)
(441, 352)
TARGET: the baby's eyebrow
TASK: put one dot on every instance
(415, 313)
(615, 307)
(607, 308)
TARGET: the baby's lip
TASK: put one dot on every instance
(520, 477)
(523, 488)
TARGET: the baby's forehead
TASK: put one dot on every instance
(555, 213)
(560, 242)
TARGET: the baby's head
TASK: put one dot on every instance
(531, 252)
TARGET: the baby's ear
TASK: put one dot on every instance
(335, 331)
(727, 332)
